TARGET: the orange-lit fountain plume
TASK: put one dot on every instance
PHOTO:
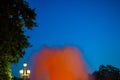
(58, 64)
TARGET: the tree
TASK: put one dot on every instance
(107, 72)
(15, 16)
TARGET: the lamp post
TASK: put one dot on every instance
(25, 73)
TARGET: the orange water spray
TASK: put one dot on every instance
(58, 64)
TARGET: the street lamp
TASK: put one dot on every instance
(25, 73)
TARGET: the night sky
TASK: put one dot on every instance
(93, 26)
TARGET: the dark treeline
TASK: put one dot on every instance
(107, 72)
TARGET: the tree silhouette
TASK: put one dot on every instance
(107, 72)
(15, 16)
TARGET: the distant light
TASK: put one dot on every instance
(25, 64)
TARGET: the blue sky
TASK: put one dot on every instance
(93, 26)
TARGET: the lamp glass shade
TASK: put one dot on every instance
(28, 71)
(21, 71)
(25, 64)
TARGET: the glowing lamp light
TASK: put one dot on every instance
(21, 71)
(25, 64)
(25, 73)
(28, 71)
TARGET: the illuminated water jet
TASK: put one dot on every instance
(58, 64)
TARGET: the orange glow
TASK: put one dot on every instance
(59, 64)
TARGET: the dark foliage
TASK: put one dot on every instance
(15, 16)
(107, 72)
